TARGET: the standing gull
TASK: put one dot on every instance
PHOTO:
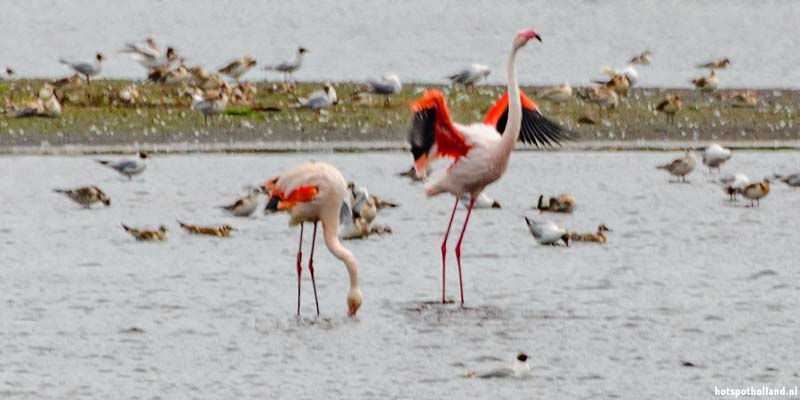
(87, 69)
(388, 85)
(470, 76)
(320, 99)
(289, 67)
(715, 155)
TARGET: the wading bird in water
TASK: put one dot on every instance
(481, 150)
(314, 192)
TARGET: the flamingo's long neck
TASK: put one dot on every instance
(331, 235)
(514, 121)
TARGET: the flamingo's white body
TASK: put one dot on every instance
(480, 151)
(314, 192)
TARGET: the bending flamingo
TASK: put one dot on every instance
(481, 150)
(314, 192)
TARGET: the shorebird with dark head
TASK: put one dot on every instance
(320, 99)
(128, 167)
(547, 232)
(86, 196)
(87, 69)
(734, 184)
(706, 83)
(288, 68)
(670, 106)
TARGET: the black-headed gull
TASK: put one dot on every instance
(128, 167)
(547, 232)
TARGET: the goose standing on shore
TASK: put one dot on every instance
(670, 106)
(87, 69)
(706, 83)
(128, 167)
(715, 155)
(680, 167)
(756, 191)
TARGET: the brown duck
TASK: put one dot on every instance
(220, 231)
(147, 235)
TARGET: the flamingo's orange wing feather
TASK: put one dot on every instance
(535, 129)
(279, 201)
(303, 194)
(431, 126)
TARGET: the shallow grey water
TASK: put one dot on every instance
(687, 276)
(420, 40)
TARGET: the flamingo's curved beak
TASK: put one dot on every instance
(539, 38)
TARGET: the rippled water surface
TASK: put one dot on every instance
(87, 312)
(420, 40)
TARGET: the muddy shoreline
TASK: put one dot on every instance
(163, 121)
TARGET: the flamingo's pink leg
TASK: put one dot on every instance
(458, 248)
(299, 267)
(311, 266)
(444, 248)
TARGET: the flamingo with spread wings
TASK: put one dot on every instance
(480, 150)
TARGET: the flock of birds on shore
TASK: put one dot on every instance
(213, 92)
(316, 192)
